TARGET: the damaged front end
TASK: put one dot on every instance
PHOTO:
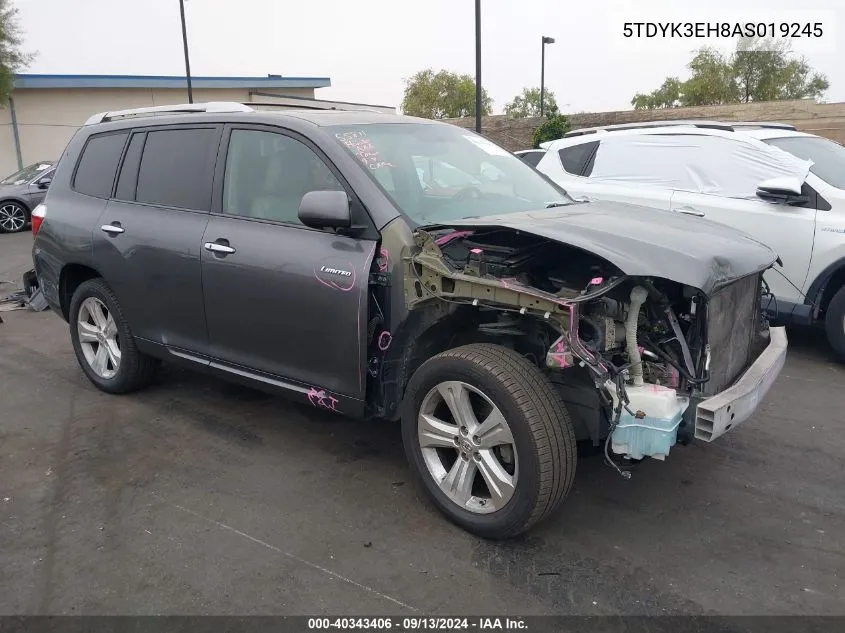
(642, 361)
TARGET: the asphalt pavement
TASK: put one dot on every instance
(198, 497)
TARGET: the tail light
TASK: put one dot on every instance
(38, 215)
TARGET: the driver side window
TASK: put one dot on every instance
(267, 174)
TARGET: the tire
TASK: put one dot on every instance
(535, 456)
(126, 369)
(834, 323)
(13, 217)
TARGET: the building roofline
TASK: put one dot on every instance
(46, 81)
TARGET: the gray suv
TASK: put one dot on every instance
(336, 258)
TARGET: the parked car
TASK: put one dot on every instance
(531, 156)
(784, 187)
(21, 192)
(298, 252)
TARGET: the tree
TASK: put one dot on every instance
(11, 57)
(553, 128)
(442, 95)
(758, 70)
(528, 103)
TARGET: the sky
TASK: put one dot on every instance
(369, 48)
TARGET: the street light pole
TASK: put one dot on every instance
(185, 44)
(478, 66)
(546, 40)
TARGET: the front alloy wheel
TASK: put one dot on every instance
(12, 217)
(467, 447)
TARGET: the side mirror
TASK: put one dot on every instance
(782, 191)
(325, 209)
(43, 183)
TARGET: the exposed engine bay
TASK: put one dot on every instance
(631, 354)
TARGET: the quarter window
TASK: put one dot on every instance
(574, 158)
(267, 174)
(177, 168)
(98, 164)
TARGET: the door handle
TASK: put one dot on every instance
(691, 211)
(214, 247)
(113, 229)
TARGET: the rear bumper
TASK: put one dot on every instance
(718, 414)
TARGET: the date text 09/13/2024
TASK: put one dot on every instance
(417, 623)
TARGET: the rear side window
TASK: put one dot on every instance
(177, 168)
(98, 164)
(575, 159)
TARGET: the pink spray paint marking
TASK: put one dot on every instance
(383, 259)
(384, 340)
(559, 354)
(596, 281)
(674, 377)
(476, 251)
(445, 239)
(320, 399)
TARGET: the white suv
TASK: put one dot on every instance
(784, 187)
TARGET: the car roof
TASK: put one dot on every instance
(702, 128)
(222, 110)
(669, 129)
(530, 151)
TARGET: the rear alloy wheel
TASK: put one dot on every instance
(103, 342)
(13, 217)
(489, 438)
(98, 338)
(835, 323)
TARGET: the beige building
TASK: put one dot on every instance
(45, 110)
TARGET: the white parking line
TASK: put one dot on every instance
(328, 572)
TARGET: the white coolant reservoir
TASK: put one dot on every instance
(654, 434)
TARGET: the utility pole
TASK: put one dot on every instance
(185, 44)
(478, 66)
(546, 40)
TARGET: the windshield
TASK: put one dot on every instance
(438, 173)
(828, 157)
(26, 174)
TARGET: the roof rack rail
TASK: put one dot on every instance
(763, 125)
(727, 126)
(182, 108)
(718, 125)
